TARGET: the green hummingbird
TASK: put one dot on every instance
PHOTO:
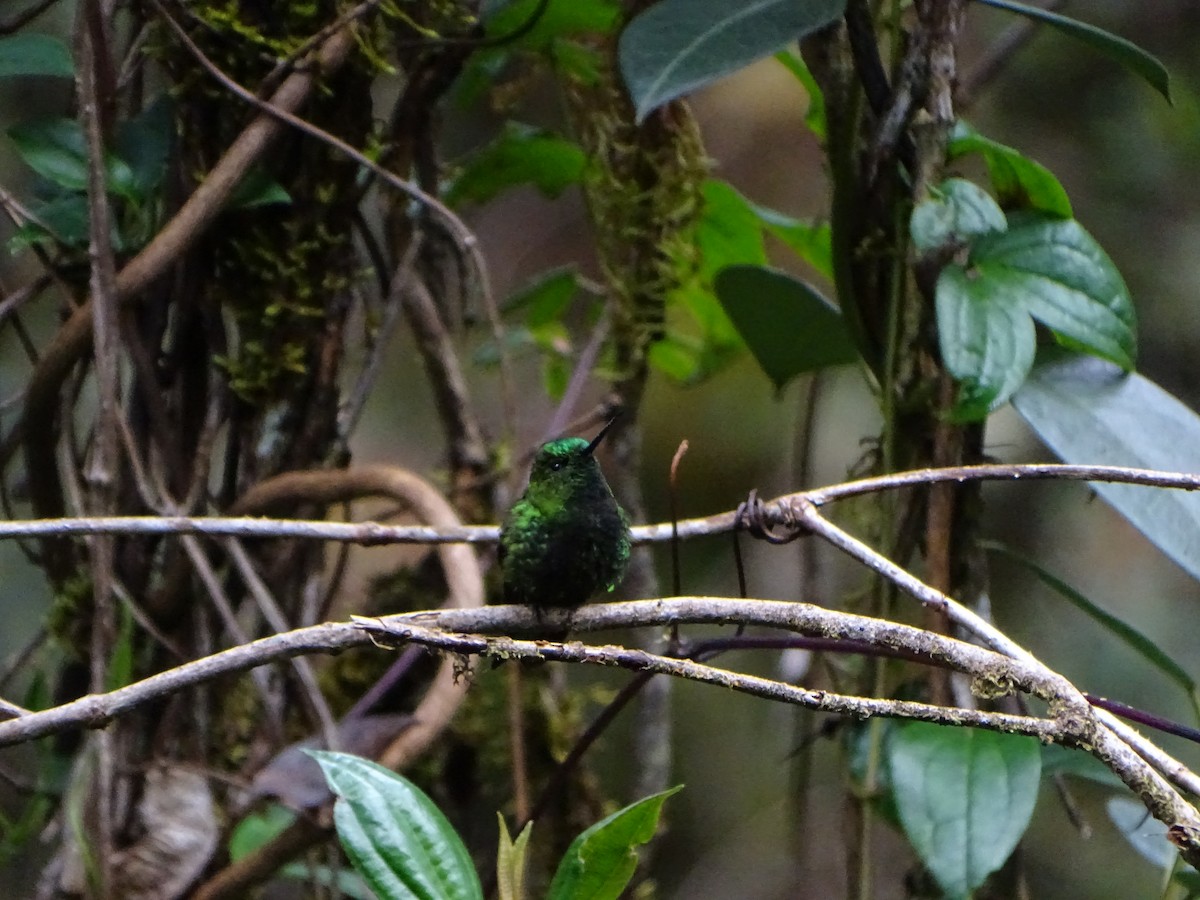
(567, 537)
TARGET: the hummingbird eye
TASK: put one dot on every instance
(557, 464)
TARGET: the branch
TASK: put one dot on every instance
(783, 510)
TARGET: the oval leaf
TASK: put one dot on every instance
(1119, 50)
(676, 46)
(600, 862)
(398, 840)
(1067, 281)
(987, 341)
(788, 326)
(1019, 182)
(1145, 833)
(1088, 411)
(34, 54)
(964, 796)
(520, 155)
(956, 211)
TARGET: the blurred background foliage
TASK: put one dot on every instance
(1128, 161)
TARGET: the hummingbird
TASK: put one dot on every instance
(567, 538)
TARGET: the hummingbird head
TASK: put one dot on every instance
(566, 468)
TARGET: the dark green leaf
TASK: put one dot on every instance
(987, 341)
(65, 220)
(1087, 411)
(520, 155)
(956, 211)
(814, 116)
(1019, 182)
(144, 142)
(676, 46)
(1116, 48)
(56, 150)
(789, 327)
(257, 189)
(1144, 832)
(1043, 267)
(34, 54)
(600, 862)
(398, 840)
(965, 797)
(1141, 644)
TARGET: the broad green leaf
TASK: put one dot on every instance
(730, 231)
(1047, 268)
(257, 189)
(1141, 644)
(600, 862)
(956, 211)
(558, 20)
(57, 150)
(144, 142)
(677, 356)
(65, 219)
(788, 326)
(546, 297)
(814, 116)
(676, 46)
(965, 797)
(1068, 282)
(1118, 49)
(1019, 182)
(510, 861)
(520, 155)
(398, 840)
(1087, 411)
(259, 829)
(34, 54)
(1144, 833)
(987, 341)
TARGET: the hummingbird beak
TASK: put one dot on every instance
(591, 448)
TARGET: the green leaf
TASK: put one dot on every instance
(1143, 832)
(1118, 49)
(257, 189)
(520, 155)
(1047, 268)
(546, 297)
(557, 21)
(811, 241)
(788, 326)
(510, 861)
(144, 142)
(398, 840)
(56, 150)
(600, 862)
(987, 341)
(964, 796)
(814, 116)
(956, 211)
(1133, 638)
(65, 219)
(1087, 411)
(676, 46)
(1019, 182)
(258, 829)
(35, 54)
